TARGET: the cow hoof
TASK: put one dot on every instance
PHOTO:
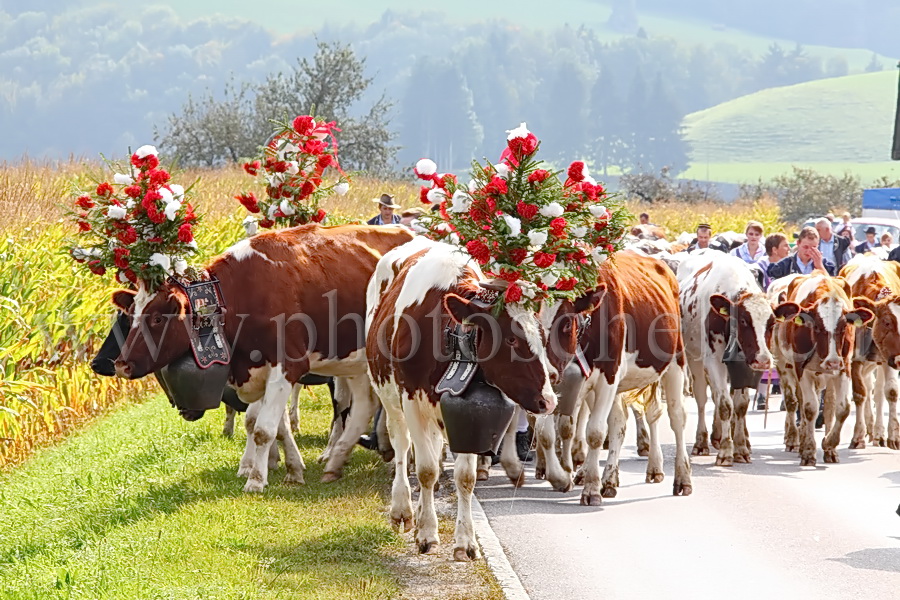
(244, 471)
(465, 554)
(682, 489)
(388, 455)
(482, 475)
(519, 480)
(330, 477)
(323, 458)
(591, 499)
(724, 461)
(578, 458)
(655, 478)
(808, 461)
(644, 451)
(880, 442)
(428, 547)
(609, 491)
(293, 479)
(715, 443)
(539, 473)
(579, 477)
(563, 484)
(700, 450)
(403, 521)
(893, 444)
(857, 444)
(791, 448)
(255, 486)
(742, 458)
(831, 456)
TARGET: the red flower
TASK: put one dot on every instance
(252, 168)
(319, 216)
(249, 201)
(479, 251)
(104, 190)
(517, 255)
(133, 191)
(155, 240)
(158, 176)
(84, 202)
(543, 259)
(497, 186)
(576, 173)
(513, 293)
(128, 235)
(558, 227)
(96, 267)
(526, 211)
(121, 257)
(154, 215)
(315, 146)
(189, 215)
(600, 225)
(303, 124)
(267, 223)
(564, 285)
(151, 161)
(280, 166)
(523, 146)
(324, 162)
(538, 175)
(307, 189)
(610, 248)
(508, 275)
(446, 179)
(423, 195)
(84, 226)
(184, 233)
(130, 276)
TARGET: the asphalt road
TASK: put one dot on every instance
(770, 529)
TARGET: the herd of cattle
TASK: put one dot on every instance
(371, 307)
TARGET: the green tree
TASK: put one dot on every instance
(804, 193)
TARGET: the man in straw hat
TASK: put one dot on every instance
(385, 214)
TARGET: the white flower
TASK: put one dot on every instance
(443, 228)
(292, 167)
(275, 179)
(473, 185)
(519, 132)
(271, 212)
(549, 278)
(461, 202)
(79, 253)
(598, 210)
(129, 204)
(515, 225)
(135, 172)
(116, 212)
(172, 208)
(537, 238)
(192, 245)
(180, 265)
(454, 239)
(161, 260)
(145, 151)
(589, 179)
(502, 170)
(122, 179)
(417, 226)
(121, 277)
(436, 195)
(286, 148)
(599, 255)
(166, 195)
(579, 232)
(250, 226)
(552, 210)
(342, 188)
(426, 167)
(528, 289)
(177, 190)
(286, 208)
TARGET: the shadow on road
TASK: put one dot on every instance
(873, 559)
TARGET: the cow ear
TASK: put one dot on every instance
(721, 305)
(863, 302)
(123, 299)
(591, 300)
(844, 285)
(792, 285)
(786, 310)
(460, 309)
(860, 316)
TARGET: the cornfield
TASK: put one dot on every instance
(54, 314)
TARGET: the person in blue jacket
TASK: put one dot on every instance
(806, 259)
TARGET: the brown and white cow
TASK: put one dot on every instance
(633, 340)
(812, 343)
(415, 294)
(875, 284)
(295, 305)
(721, 300)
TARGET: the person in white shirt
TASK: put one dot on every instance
(752, 250)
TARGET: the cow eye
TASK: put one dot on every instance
(157, 319)
(567, 326)
(511, 341)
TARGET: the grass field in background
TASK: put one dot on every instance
(751, 172)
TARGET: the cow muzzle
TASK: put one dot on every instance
(123, 369)
(832, 364)
(761, 363)
(103, 366)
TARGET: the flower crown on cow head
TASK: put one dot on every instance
(292, 164)
(140, 224)
(545, 237)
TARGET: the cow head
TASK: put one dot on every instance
(824, 329)
(105, 361)
(563, 324)
(750, 316)
(510, 350)
(158, 333)
(886, 326)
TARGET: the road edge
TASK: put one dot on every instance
(494, 555)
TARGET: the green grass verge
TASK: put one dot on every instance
(750, 172)
(143, 505)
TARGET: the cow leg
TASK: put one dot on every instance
(483, 468)
(841, 392)
(464, 476)
(246, 464)
(228, 428)
(566, 431)
(616, 423)
(428, 443)
(860, 399)
(362, 409)
(600, 402)
(655, 458)
(701, 443)
(401, 496)
(718, 383)
(340, 404)
(882, 376)
(790, 388)
(294, 410)
(271, 412)
(293, 460)
(579, 444)
(809, 410)
(643, 436)
(274, 456)
(741, 439)
(545, 430)
(673, 386)
(509, 459)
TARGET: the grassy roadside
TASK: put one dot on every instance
(144, 505)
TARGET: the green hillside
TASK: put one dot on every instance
(840, 120)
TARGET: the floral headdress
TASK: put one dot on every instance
(141, 224)
(544, 236)
(292, 164)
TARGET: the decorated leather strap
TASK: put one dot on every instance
(460, 343)
(207, 330)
